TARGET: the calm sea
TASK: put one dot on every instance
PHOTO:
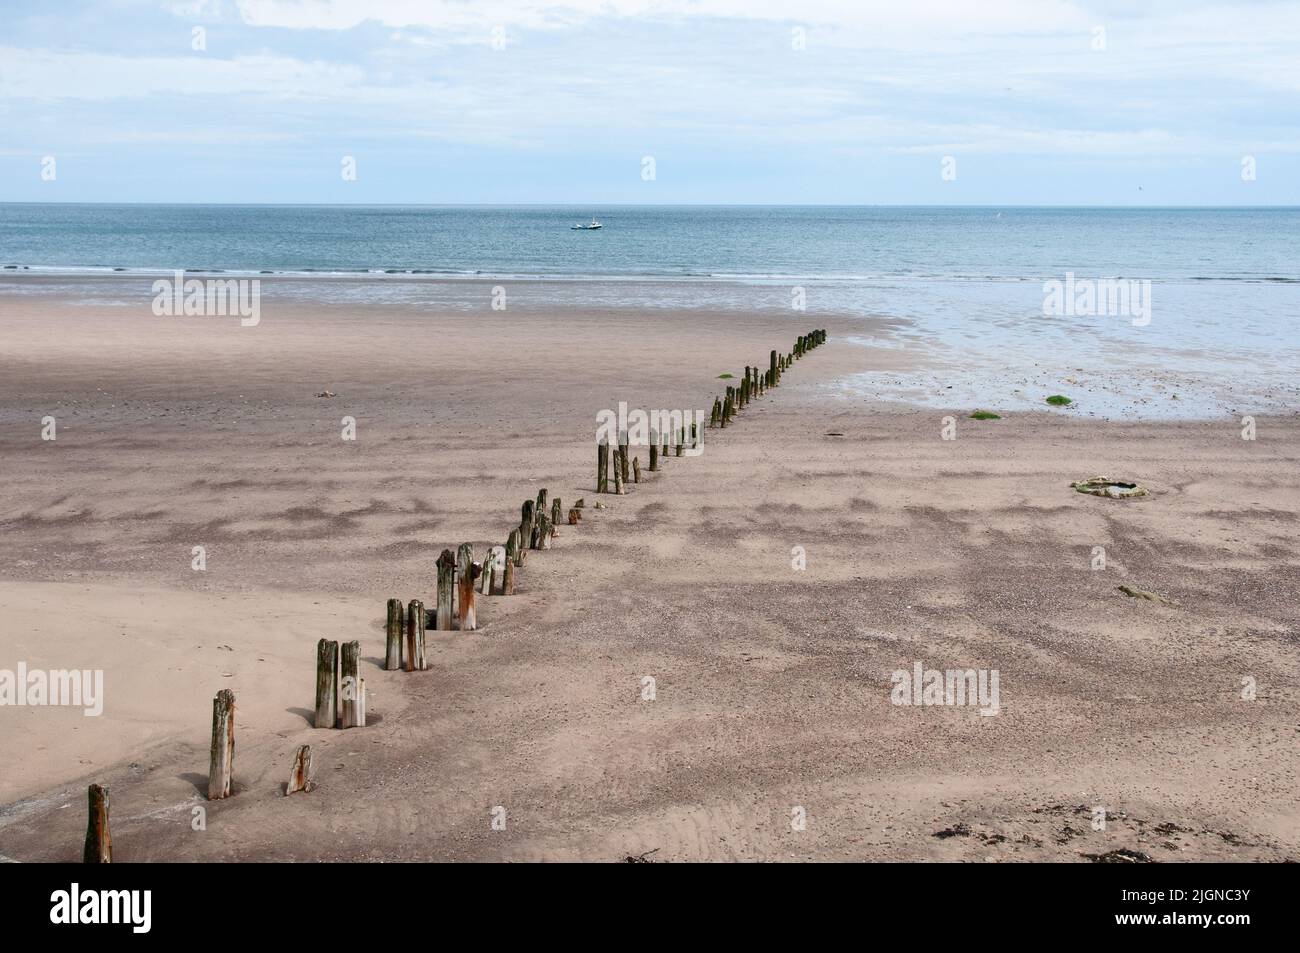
(804, 243)
(965, 286)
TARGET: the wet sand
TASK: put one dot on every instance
(772, 684)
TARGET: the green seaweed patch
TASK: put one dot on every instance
(725, 377)
(985, 415)
(1059, 400)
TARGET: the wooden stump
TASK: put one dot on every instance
(508, 579)
(557, 512)
(222, 761)
(349, 659)
(574, 516)
(466, 570)
(300, 773)
(602, 467)
(415, 621)
(618, 479)
(654, 451)
(446, 580)
(622, 457)
(327, 686)
(636, 469)
(771, 368)
(99, 841)
(393, 640)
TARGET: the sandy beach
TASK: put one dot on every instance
(772, 684)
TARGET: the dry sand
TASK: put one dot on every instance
(772, 685)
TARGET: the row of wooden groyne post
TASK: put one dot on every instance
(340, 690)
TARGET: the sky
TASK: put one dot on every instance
(606, 102)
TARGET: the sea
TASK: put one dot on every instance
(1145, 312)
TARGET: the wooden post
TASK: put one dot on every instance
(663, 452)
(771, 368)
(557, 512)
(654, 451)
(494, 567)
(545, 532)
(393, 640)
(575, 515)
(622, 456)
(300, 773)
(636, 469)
(527, 516)
(508, 579)
(223, 744)
(514, 551)
(349, 658)
(446, 579)
(681, 439)
(99, 841)
(602, 467)
(466, 571)
(415, 636)
(618, 479)
(541, 502)
(327, 687)
(483, 580)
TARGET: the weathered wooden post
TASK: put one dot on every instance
(327, 693)
(622, 456)
(514, 554)
(393, 637)
(654, 451)
(636, 469)
(300, 773)
(575, 515)
(222, 761)
(541, 502)
(545, 533)
(466, 570)
(602, 466)
(99, 841)
(415, 636)
(557, 512)
(527, 517)
(348, 685)
(618, 478)
(681, 439)
(446, 580)
(771, 368)
(494, 567)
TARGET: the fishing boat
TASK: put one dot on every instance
(587, 228)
